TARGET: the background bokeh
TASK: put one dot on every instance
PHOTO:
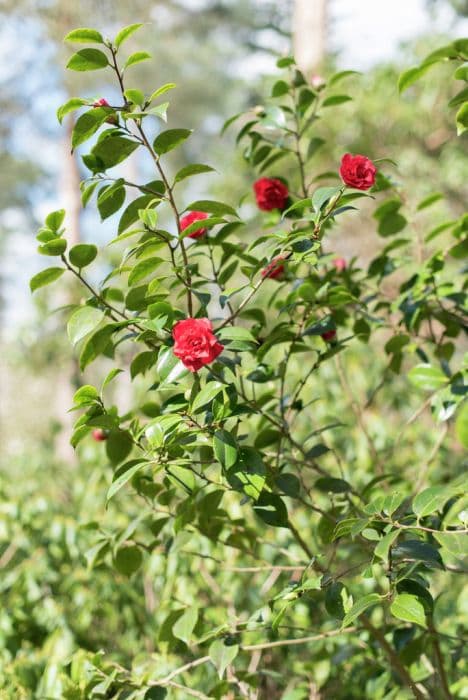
(221, 54)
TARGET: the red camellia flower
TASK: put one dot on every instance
(357, 171)
(328, 336)
(195, 344)
(270, 193)
(99, 435)
(190, 219)
(340, 264)
(275, 269)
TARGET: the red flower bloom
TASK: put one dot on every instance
(340, 264)
(195, 343)
(99, 435)
(357, 171)
(270, 193)
(190, 219)
(328, 336)
(275, 269)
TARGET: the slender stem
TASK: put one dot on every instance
(170, 195)
(300, 640)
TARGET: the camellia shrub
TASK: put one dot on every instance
(296, 539)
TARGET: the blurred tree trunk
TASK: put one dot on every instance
(309, 34)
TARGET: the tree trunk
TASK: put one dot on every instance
(309, 34)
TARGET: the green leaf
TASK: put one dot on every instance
(82, 254)
(111, 151)
(410, 76)
(328, 484)
(461, 425)
(185, 625)
(385, 543)
(124, 475)
(222, 655)
(212, 207)
(408, 608)
(130, 214)
(160, 91)
(194, 169)
(271, 509)
(236, 333)
(341, 75)
(137, 57)
(45, 277)
(143, 269)
(430, 500)
(462, 119)
(97, 344)
(285, 62)
(359, 607)
(160, 111)
(119, 444)
(461, 73)
(69, 106)
(82, 322)
(428, 378)
(169, 367)
(168, 140)
(88, 59)
(135, 96)
(225, 448)
(455, 544)
(56, 246)
(280, 88)
(206, 395)
(54, 220)
(110, 199)
(85, 36)
(88, 123)
(323, 195)
(128, 559)
(459, 99)
(415, 550)
(336, 100)
(430, 199)
(86, 395)
(125, 33)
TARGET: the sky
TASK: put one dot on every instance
(366, 32)
(361, 32)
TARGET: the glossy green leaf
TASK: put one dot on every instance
(137, 57)
(225, 448)
(82, 322)
(85, 36)
(124, 476)
(47, 276)
(408, 608)
(126, 33)
(88, 59)
(428, 378)
(82, 254)
(359, 607)
(168, 140)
